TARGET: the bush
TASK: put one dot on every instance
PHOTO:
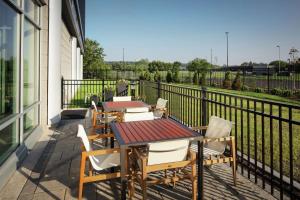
(169, 77)
(175, 77)
(213, 85)
(258, 90)
(286, 93)
(245, 88)
(157, 76)
(227, 81)
(195, 78)
(276, 91)
(236, 85)
(202, 80)
(147, 76)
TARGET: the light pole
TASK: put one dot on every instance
(227, 46)
(279, 57)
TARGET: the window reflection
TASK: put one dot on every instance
(8, 60)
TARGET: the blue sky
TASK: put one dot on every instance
(182, 30)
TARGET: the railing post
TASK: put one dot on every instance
(158, 89)
(204, 107)
(268, 70)
(62, 92)
(103, 92)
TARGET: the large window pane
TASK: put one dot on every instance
(8, 60)
(32, 10)
(30, 64)
(30, 121)
(8, 141)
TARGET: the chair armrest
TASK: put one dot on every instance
(199, 128)
(138, 154)
(101, 152)
(99, 136)
(222, 139)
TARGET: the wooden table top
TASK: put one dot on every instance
(143, 132)
(120, 106)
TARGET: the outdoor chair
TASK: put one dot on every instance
(217, 137)
(102, 119)
(98, 160)
(163, 156)
(122, 98)
(137, 110)
(160, 109)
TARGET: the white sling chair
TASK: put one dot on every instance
(99, 160)
(160, 109)
(217, 137)
(122, 98)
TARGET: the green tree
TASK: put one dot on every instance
(199, 66)
(283, 64)
(195, 78)
(169, 77)
(175, 76)
(227, 81)
(236, 84)
(176, 66)
(93, 57)
(157, 76)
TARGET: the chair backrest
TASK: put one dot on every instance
(161, 103)
(167, 152)
(131, 117)
(82, 134)
(218, 128)
(122, 98)
(137, 110)
(95, 106)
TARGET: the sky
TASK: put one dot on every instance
(181, 30)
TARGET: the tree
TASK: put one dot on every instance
(157, 76)
(169, 77)
(227, 81)
(275, 63)
(93, 57)
(176, 66)
(175, 76)
(199, 66)
(236, 84)
(195, 78)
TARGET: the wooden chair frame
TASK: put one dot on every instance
(230, 141)
(164, 110)
(84, 156)
(119, 116)
(142, 175)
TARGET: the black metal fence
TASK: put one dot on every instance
(267, 133)
(78, 93)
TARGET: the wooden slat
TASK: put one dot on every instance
(121, 105)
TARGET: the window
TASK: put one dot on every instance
(9, 55)
(30, 121)
(30, 94)
(32, 10)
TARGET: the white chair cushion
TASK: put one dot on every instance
(167, 152)
(217, 128)
(130, 117)
(137, 110)
(98, 162)
(161, 103)
(158, 114)
(125, 98)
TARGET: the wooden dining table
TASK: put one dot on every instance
(130, 134)
(121, 106)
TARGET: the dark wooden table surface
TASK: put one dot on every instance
(142, 132)
(121, 106)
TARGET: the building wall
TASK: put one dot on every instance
(54, 82)
(44, 68)
(66, 52)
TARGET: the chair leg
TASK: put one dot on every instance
(194, 179)
(81, 176)
(144, 179)
(234, 161)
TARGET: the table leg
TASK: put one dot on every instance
(200, 171)
(123, 159)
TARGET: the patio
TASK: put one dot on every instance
(51, 171)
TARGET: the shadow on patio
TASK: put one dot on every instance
(51, 171)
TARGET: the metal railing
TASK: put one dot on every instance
(78, 93)
(267, 133)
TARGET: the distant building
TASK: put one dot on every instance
(263, 70)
